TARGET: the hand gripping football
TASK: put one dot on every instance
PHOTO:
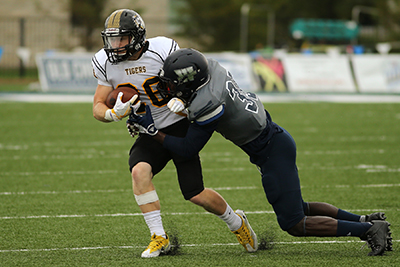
(128, 94)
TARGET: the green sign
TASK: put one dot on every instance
(324, 29)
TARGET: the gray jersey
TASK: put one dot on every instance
(241, 114)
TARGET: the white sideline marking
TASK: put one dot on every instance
(216, 188)
(140, 214)
(45, 173)
(115, 215)
(264, 97)
(380, 185)
(58, 173)
(184, 245)
(113, 191)
(332, 98)
(65, 192)
(235, 188)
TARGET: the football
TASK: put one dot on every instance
(128, 94)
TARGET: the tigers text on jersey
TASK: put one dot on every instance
(241, 114)
(141, 74)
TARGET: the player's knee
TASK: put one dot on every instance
(298, 229)
(202, 198)
(197, 199)
(141, 172)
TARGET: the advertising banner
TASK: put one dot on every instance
(318, 73)
(66, 72)
(240, 66)
(270, 73)
(377, 73)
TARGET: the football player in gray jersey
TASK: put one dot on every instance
(214, 102)
(128, 58)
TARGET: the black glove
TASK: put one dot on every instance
(133, 128)
(145, 122)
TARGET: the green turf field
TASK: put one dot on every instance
(66, 199)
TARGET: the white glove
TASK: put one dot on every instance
(176, 105)
(135, 107)
(120, 109)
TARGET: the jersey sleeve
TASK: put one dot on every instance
(162, 46)
(99, 69)
(212, 116)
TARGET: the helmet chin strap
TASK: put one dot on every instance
(195, 92)
(139, 53)
(192, 97)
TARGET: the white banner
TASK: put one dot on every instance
(66, 72)
(377, 73)
(73, 72)
(318, 73)
(240, 66)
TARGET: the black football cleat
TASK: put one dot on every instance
(377, 237)
(377, 216)
(380, 216)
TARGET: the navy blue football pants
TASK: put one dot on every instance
(280, 179)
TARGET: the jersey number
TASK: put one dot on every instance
(248, 98)
(154, 96)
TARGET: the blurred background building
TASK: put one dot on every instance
(29, 27)
(251, 27)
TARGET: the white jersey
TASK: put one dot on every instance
(141, 74)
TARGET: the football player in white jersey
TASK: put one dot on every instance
(129, 59)
(214, 102)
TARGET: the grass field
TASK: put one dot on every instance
(66, 199)
(11, 81)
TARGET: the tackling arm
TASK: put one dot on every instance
(198, 134)
(194, 141)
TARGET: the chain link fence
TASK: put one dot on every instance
(22, 38)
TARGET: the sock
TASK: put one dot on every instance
(363, 218)
(347, 216)
(233, 220)
(346, 228)
(154, 222)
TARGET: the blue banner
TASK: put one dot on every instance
(66, 72)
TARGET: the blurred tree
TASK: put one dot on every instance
(87, 16)
(390, 19)
(215, 25)
(212, 24)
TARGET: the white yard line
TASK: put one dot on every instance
(186, 245)
(265, 97)
(333, 98)
(46, 173)
(216, 188)
(45, 98)
(163, 213)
